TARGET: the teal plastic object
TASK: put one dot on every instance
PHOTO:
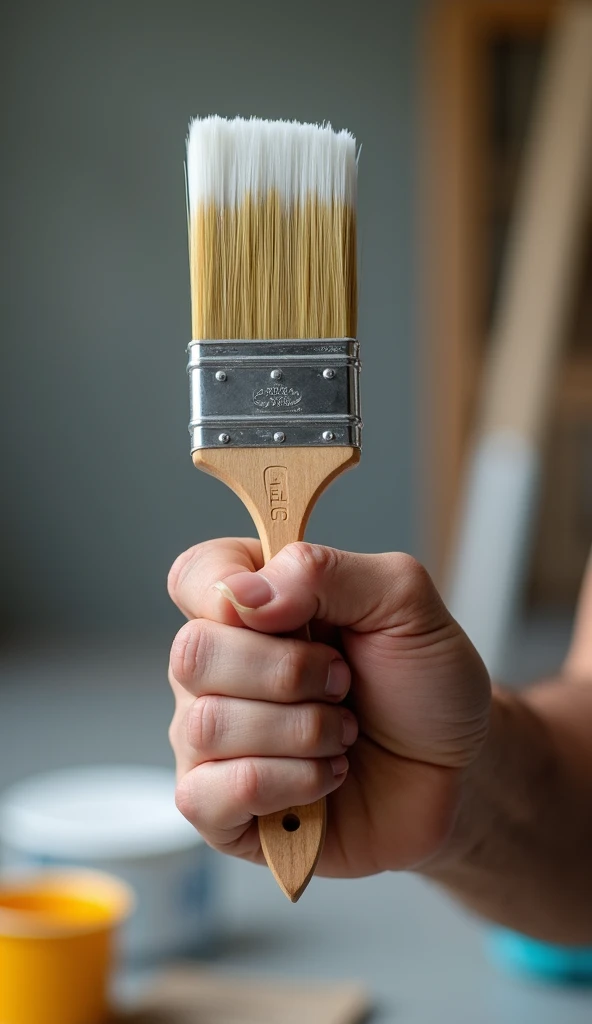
(519, 954)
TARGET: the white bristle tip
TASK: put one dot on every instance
(228, 160)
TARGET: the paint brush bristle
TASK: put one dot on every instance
(272, 229)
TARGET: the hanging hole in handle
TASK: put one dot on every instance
(291, 822)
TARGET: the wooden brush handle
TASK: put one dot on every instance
(279, 486)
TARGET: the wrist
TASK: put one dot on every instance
(518, 853)
(500, 791)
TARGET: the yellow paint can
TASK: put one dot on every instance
(56, 946)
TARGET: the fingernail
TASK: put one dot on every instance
(350, 729)
(339, 764)
(246, 591)
(338, 678)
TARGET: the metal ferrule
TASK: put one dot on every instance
(265, 394)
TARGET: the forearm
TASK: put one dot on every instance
(520, 853)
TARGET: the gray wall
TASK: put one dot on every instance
(99, 491)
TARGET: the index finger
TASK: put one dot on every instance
(194, 573)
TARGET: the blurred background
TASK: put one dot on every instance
(99, 492)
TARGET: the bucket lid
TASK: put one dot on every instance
(96, 812)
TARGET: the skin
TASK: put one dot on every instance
(422, 768)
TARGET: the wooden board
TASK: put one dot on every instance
(204, 996)
(542, 264)
(454, 168)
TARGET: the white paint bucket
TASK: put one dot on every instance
(123, 821)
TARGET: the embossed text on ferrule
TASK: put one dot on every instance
(276, 396)
(276, 487)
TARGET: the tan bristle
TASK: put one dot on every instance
(270, 263)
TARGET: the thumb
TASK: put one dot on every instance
(362, 592)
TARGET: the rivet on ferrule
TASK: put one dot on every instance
(276, 374)
(328, 435)
(329, 373)
(279, 437)
(220, 375)
(224, 438)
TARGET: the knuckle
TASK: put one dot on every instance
(247, 782)
(414, 578)
(178, 571)
(205, 725)
(186, 797)
(308, 730)
(174, 733)
(314, 778)
(191, 651)
(185, 564)
(311, 559)
(289, 673)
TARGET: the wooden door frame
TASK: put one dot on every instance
(451, 230)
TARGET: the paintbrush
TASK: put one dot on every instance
(273, 363)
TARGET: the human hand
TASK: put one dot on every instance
(256, 729)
